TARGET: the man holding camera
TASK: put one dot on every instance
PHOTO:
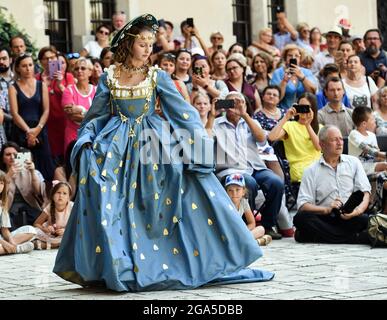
(328, 187)
(236, 136)
(374, 59)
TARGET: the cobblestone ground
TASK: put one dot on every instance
(303, 271)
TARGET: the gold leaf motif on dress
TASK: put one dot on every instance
(104, 173)
(175, 220)
(83, 181)
(99, 160)
(155, 167)
(116, 170)
(168, 202)
(93, 173)
(103, 189)
(109, 155)
(116, 138)
(98, 249)
(156, 196)
(175, 251)
(191, 141)
(135, 269)
(148, 227)
(210, 223)
(133, 225)
(165, 267)
(165, 232)
(134, 185)
(194, 206)
(196, 253)
(150, 178)
(114, 188)
(121, 164)
(134, 246)
(131, 205)
(185, 116)
(109, 206)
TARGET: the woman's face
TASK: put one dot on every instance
(217, 40)
(62, 196)
(260, 65)
(168, 66)
(26, 68)
(183, 61)
(347, 50)
(63, 63)
(219, 60)
(9, 156)
(142, 47)
(236, 49)
(97, 70)
(234, 70)
(305, 33)
(202, 104)
(82, 71)
(205, 67)
(354, 63)
(103, 34)
(107, 59)
(267, 36)
(383, 99)
(316, 35)
(293, 54)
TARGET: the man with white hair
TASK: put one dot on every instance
(236, 136)
(334, 196)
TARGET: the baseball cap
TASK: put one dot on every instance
(335, 30)
(237, 179)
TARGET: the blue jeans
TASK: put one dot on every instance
(273, 189)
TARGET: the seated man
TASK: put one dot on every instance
(326, 185)
(236, 135)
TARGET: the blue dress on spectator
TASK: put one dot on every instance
(142, 220)
(292, 91)
(30, 109)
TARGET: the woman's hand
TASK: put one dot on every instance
(296, 70)
(197, 80)
(58, 76)
(29, 165)
(50, 230)
(290, 113)
(59, 231)
(309, 117)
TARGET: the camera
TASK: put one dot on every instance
(302, 108)
(198, 71)
(224, 104)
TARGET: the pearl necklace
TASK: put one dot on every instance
(275, 113)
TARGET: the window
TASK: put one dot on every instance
(58, 24)
(101, 13)
(272, 11)
(242, 22)
(382, 20)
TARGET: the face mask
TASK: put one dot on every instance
(4, 69)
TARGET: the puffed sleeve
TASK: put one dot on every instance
(187, 127)
(95, 119)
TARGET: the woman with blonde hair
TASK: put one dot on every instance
(291, 78)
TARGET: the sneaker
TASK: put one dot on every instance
(287, 233)
(264, 240)
(273, 233)
(25, 247)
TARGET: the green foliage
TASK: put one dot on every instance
(9, 29)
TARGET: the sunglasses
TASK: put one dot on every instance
(106, 33)
(74, 55)
(80, 68)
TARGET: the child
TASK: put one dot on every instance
(51, 223)
(362, 143)
(18, 241)
(236, 189)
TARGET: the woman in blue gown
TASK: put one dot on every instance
(149, 213)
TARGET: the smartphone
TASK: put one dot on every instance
(54, 66)
(302, 108)
(21, 157)
(279, 9)
(224, 104)
(293, 61)
(198, 71)
(190, 22)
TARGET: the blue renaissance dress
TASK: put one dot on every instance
(141, 220)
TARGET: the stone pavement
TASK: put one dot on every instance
(303, 271)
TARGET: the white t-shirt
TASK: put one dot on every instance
(5, 222)
(355, 139)
(243, 207)
(358, 96)
(93, 49)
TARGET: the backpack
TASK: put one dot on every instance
(377, 230)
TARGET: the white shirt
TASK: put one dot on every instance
(321, 184)
(358, 96)
(93, 49)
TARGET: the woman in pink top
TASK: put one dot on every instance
(77, 99)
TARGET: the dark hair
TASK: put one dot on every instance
(216, 53)
(346, 42)
(104, 52)
(360, 114)
(169, 23)
(311, 31)
(198, 57)
(265, 57)
(234, 45)
(313, 104)
(183, 50)
(6, 50)
(52, 193)
(103, 26)
(373, 30)
(60, 54)
(43, 51)
(125, 46)
(332, 79)
(169, 56)
(19, 59)
(9, 144)
(271, 87)
(329, 69)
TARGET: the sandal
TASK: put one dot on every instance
(264, 240)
